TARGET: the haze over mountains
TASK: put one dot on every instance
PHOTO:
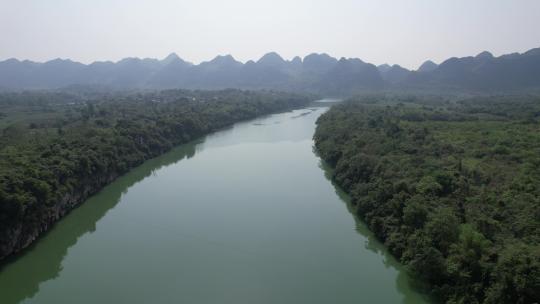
(318, 73)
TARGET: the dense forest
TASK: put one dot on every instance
(57, 148)
(450, 187)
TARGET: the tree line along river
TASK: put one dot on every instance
(244, 215)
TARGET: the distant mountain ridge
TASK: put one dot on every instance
(483, 72)
(317, 73)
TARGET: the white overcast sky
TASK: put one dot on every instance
(406, 32)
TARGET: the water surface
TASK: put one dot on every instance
(245, 215)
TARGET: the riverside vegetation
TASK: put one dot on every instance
(450, 187)
(58, 148)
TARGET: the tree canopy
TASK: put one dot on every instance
(58, 148)
(450, 186)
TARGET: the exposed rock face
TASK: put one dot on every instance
(21, 223)
(39, 219)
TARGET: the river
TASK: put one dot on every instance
(244, 215)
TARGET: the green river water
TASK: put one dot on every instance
(244, 215)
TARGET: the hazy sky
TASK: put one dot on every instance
(406, 32)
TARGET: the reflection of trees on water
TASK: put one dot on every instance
(407, 286)
(21, 275)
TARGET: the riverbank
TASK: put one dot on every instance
(45, 175)
(448, 187)
(244, 215)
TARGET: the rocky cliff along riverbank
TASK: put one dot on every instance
(48, 167)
